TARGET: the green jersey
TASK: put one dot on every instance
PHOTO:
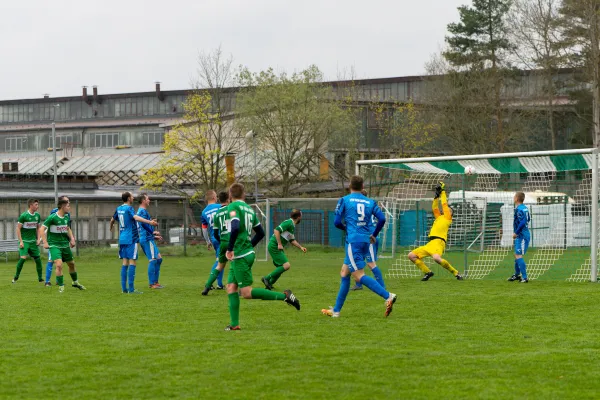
(245, 214)
(221, 223)
(29, 226)
(287, 229)
(58, 230)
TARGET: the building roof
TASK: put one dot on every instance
(95, 165)
(104, 194)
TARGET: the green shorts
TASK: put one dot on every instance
(29, 249)
(278, 256)
(240, 271)
(64, 254)
(222, 257)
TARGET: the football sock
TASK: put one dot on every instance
(264, 294)
(234, 308)
(60, 280)
(419, 263)
(374, 286)
(19, 267)
(341, 297)
(220, 277)
(522, 268)
(273, 276)
(124, 278)
(212, 278)
(517, 272)
(131, 277)
(449, 267)
(38, 267)
(73, 276)
(152, 271)
(49, 270)
(378, 276)
(157, 269)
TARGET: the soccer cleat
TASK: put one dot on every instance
(460, 277)
(40, 280)
(524, 280)
(427, 276)
(233, 328)
(205, 291)
(291, 299)
(125, 292)
(15, 280)
(267, 284)
(515, 278)
(135, 291)
(78, 285)
(220, 287)
(389, 304)
(356, 287)
(330, 313)
(48, 284)
(158, 286)
(61, 289)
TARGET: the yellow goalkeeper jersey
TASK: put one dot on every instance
(442, 223)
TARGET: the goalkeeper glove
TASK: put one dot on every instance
(438, 191)
(442, 186)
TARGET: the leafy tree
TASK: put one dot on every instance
(293, 117)
(479, 45)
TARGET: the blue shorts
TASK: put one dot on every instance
(150, 249)
(373, 249)
(356, 254)
(128, 251)
(521, 245)
(216, 245)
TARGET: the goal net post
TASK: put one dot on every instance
(263, 212)
(561, 192)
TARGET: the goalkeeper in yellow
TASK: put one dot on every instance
(437, 237)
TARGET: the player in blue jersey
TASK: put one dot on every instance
(356, 210)
(50, 262)
(372, 257)
(521, 236)
(148, 244)
(222, 238)
(128, 240)
(208, 215)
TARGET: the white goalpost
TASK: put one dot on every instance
(561, 191)
(263, 212)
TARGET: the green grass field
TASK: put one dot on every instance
(445, 339)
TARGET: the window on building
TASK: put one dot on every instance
(16, 144)
(61, 140)
(106, 140)
(153, 139)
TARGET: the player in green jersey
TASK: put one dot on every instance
(29, 239)
(59, 239)
(282, 235)
(240, 251)
(221, 234)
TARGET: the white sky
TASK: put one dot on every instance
(124, 46)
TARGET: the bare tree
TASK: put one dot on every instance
(539, 46)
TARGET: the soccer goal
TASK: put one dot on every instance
(561, 191)
(263, 212)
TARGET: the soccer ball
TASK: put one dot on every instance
(469, 170)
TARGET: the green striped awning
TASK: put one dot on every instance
(570, 162)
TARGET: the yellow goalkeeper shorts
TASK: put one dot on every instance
(435, 246)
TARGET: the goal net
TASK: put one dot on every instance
(561, 192)
(262, 210)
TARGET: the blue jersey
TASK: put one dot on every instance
(521, 221)
(207, 219)
(128, 232)
(145, 230)
(358, 212)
